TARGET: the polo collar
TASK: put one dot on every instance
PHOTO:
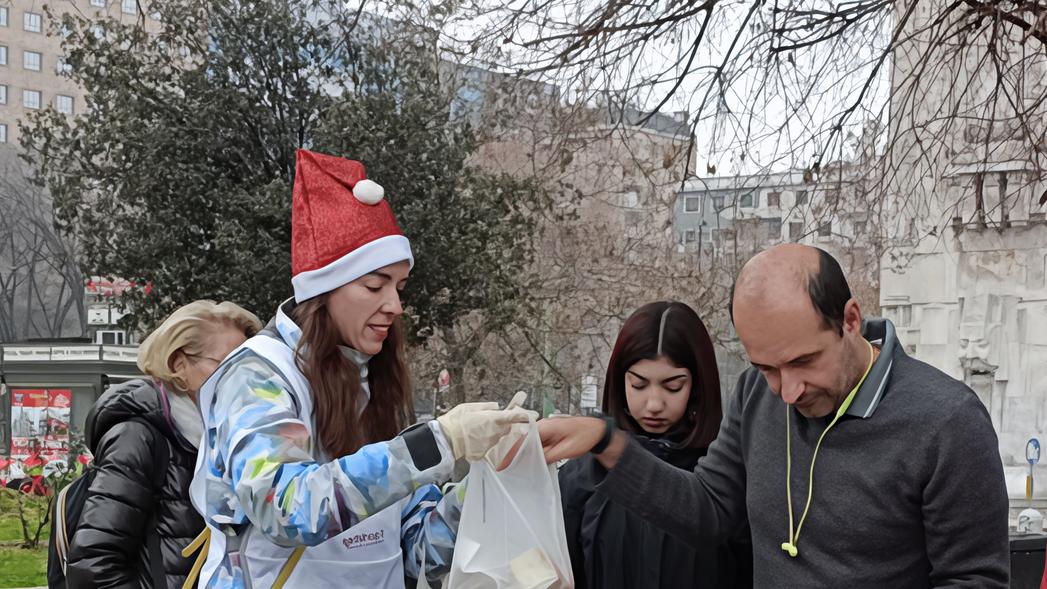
(880, 333)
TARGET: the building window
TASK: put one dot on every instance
(795, 231)
(129, 6)
(3, 133)
(31, 99)
(3, 16)
(64, 104)
(33, 22)
(3, 93)
(691, 204)
(3, 55)
(900, 315)
(859, 228)
(905, 315)
(747, 200)
(688, 236)
(718, 203)
(115, 338)
(825, 229)
(774, 199)
(801, 197)
(98, 3)
(774, 228)
(31, 60)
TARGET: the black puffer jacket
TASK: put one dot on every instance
(613, 548)
(124, 504)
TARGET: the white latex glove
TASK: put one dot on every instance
(474, 428)
(517, 400)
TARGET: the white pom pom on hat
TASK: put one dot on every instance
(368, 192)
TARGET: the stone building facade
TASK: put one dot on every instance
(963, 277)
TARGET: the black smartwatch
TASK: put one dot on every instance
(608, 435)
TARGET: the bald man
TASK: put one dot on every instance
(908, 488)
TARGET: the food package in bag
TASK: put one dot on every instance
(511, 533)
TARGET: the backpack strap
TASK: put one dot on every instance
(61, 531)
(162, 462)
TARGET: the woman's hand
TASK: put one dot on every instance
(474, 428)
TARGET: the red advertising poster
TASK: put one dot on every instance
(40, 422)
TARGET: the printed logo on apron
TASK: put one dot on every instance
(367, 556)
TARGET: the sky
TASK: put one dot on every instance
(750, 113)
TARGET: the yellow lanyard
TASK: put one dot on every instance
(790, 546)
(202, 545)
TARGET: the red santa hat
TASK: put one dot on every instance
(342, 228)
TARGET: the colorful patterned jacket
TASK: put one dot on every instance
(263, 468)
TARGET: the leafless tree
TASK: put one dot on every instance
(41, 288)
(606, 247)
(796, 83)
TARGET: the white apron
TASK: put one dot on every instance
(366, 556)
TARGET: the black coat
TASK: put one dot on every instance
(124, 504)
(612, 548)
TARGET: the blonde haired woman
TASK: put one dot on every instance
(144, 436)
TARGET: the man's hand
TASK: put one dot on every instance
(571, 437)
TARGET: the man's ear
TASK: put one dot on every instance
(852, 317)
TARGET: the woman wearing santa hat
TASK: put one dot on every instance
(307, 477)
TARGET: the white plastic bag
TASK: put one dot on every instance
(511, 534)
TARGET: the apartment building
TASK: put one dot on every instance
(755, 211)
(32, 64)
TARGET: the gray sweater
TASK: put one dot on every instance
(908, 486)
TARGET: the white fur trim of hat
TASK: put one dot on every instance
(363, 260)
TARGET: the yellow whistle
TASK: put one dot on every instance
(790, 548)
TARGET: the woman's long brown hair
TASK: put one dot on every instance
(335, 383)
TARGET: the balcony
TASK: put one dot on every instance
(67, 353)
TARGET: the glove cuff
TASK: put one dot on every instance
(453, 435)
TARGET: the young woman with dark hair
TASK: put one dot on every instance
(663, 387)
(304, 481)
